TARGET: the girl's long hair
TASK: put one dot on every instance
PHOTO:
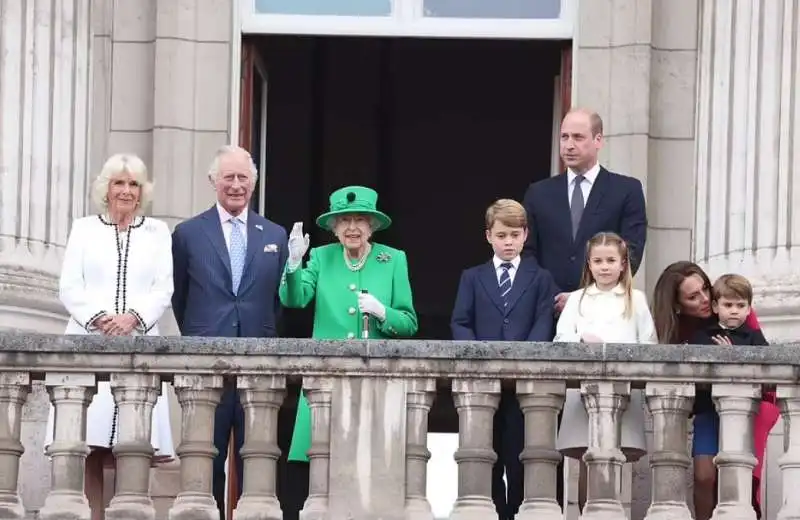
(665, 299)
(625, 279)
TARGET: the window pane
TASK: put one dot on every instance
(326, 7)
(516, 9)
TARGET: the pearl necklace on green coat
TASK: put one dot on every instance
(360, 264)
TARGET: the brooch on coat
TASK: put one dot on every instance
(383, 257)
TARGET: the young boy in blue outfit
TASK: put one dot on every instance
(507, 298)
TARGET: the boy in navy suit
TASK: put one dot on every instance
(506, 299)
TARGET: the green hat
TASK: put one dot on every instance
(354, 199)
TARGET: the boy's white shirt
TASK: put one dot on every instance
(602, 313)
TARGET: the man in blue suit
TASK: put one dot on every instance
(505, 299)
(562, 219)
(227, 267)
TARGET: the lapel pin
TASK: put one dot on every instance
(259, 227)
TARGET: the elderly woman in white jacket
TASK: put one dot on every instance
(116, 280)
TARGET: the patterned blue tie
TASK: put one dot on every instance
(505, 281)
(237, 252)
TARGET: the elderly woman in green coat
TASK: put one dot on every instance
(352, 281)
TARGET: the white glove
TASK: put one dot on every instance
(369, 304)
(298, 245)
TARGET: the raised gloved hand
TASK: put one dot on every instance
(369, 304)
(298, 244)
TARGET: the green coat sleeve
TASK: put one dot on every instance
(298, 287)
(401, 318)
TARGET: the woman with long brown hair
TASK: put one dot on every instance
(681, 307)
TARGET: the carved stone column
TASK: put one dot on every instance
(44, 108)
(605, 402)
(199, 396)
(747, 178)
(789, 462)
(14, 388)
(476, 401)
(70, 395)
(318, 391)
(736, 404)
(669, 405)
(135, 396)
(540, 402)
(261, 398)
(419, 399)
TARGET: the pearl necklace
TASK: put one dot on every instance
(360, 264)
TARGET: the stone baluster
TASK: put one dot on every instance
(70, 395)
(14, 388)
(737, 405)
(669, 404)
(476, 401)
(789, 462)
(261, 397)
(318, 391)
(604, 402)
(541, 401)
(135, 395)
(419, 399)
(199, 396)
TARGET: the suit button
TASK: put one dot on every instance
(350, 335)
(351, 310)
(235, 324)
(352, 287)
(572, 258)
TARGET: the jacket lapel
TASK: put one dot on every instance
(255, 239)
(213, 229)
(593, 203)
(522, 280)
(560, 197)
(488, 278)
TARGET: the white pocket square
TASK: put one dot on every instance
(271, 248)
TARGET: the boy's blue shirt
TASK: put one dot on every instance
(479, 312)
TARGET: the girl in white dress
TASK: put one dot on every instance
(116, 280)
(606, 310)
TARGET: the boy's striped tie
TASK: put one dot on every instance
(505, 282)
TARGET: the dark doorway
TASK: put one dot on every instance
(440, 128)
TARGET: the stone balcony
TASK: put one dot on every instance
(372, 404)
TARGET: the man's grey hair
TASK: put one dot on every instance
(213, 170)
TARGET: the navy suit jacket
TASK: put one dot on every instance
(479, 313)
(615, 204)
(203, 301)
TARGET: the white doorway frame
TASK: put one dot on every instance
(407, 19)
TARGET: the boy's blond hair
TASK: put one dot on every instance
(508, 212)
(733, 287)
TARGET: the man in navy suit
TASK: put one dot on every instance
(227, 267)
(562, 218)
(505, 299)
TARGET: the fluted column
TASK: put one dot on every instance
(318, 391)
(789, 462)
(261, 398)
(541, 401)
(135, 396)
(748, 184)
(70, 395)
(14, 388)
(669, 404)
(476, 401)
(419, 399)
(605, 402)
(199, 396)
(44, 106)
(736, 404)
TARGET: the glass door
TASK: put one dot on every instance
(253, 118)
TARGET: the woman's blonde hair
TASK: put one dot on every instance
(625, 279)
(122, 163)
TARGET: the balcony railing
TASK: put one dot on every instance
(370, 403)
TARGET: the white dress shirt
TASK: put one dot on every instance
(227, 226)
(602, 313)
(586, 186)
(511, 272)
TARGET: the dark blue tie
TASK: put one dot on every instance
(505, 281)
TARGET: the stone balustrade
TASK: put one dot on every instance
(370, 405)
